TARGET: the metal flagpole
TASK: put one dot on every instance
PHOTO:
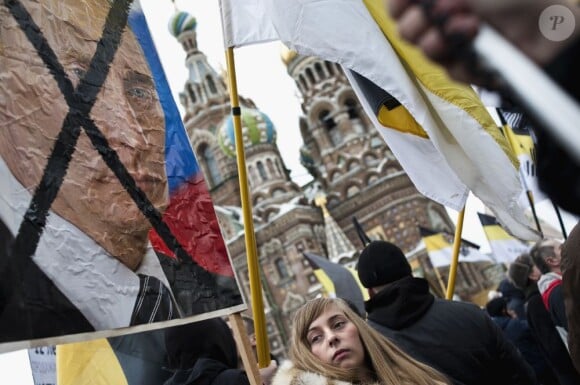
(262, 346)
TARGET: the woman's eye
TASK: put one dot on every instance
(339, 324)
(314, 339)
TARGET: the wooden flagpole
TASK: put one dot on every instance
(262, 345)
(455, 255)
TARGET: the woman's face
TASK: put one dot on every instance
(335, 340)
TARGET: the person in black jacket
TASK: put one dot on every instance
(518, 332)
(204, 353)
(458, 339)
(524, 274)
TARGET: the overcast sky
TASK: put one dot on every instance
(262, 77)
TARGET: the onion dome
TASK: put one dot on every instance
(287, 55)
(181, 22)
(257, 128)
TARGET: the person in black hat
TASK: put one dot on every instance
(458, 339)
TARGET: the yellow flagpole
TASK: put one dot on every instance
(262, 346)
(455, 256)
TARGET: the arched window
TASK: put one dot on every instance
(351, 108)
(330, 126)
(329, 67)
(262, 170)
(253, 175)
(211, 84)
(352, 190)
(310, 76)
(191, 93)
(319, 70)
(270, 166)
(281, 268)
(211, 164)
(303, 82)
(370, 159)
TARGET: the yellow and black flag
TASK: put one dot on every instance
(136, 359)
(505, 248)
(338, 280)
(440, 249)
(517, 130)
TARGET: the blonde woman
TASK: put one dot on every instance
(333, 345)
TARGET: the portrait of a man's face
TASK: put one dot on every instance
(93, 237)
(127, 112)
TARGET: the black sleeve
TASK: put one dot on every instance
(231, 377)
(557, 308)
(509, 359)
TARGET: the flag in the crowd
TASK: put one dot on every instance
(423, 163)
(451, 114)
(236, 15)
(440, 249)
(517, 130)
(338, 280)
(110, 225)
(504, 247)
(136, 359)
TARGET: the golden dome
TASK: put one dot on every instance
(287, 55)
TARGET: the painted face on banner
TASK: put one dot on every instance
(127, 112)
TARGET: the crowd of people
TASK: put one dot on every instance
(407, 335)
(528, 335)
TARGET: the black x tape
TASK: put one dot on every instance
(80, 101)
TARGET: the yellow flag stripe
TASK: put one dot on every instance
(435, 242)
(88, 363)
(521, 144)
(363, 290)
(401, 120)
(435, 79)
(325, 281)
(495, 233)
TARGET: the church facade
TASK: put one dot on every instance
(354, 175)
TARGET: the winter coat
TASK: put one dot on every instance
(549, 340)
(518, 332)
(288, 374)
(208, 372)
(458, 339)
(571, 288)
(550, 287)
(203, 353)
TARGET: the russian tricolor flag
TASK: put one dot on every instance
(190, 214)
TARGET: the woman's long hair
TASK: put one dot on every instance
(387, 363)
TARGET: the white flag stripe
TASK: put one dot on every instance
(422, 162)
(335, 31)
(246, 22)
(507, 250)
(442, 257)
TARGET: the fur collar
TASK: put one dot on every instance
(287, 374)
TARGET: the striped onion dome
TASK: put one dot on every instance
(181, 22)
(257, 128)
